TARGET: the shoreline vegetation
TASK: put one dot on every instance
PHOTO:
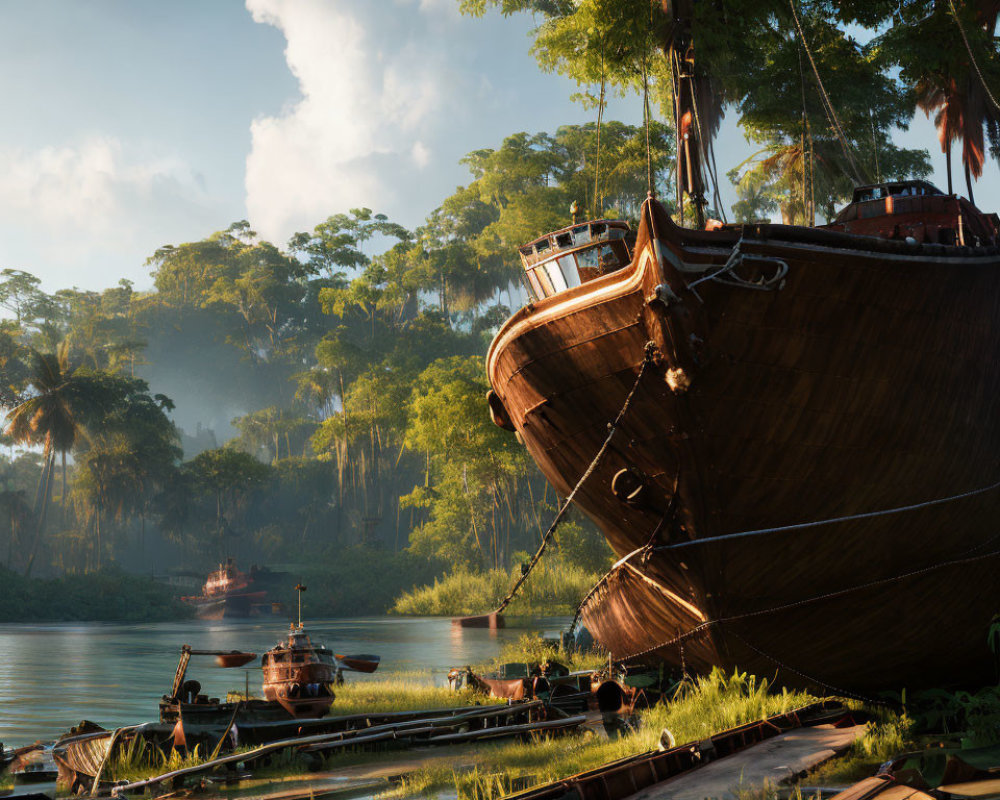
(555, 588)
(110, 595)
(364, 582)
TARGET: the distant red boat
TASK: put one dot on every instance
(227, 593)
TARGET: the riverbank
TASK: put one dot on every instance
(698, 709)
(359, 582)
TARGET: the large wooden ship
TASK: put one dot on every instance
(788, 434)
(807, 477)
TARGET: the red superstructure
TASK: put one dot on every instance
(227, 593)
(916, 210)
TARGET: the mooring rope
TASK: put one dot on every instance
(612, 428)
(601, 581)
(704, 626)
(832, 520)
(829, 686)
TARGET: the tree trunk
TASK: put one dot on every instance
(947, 155)
(45, 492)
(62, 502)
(968, 182)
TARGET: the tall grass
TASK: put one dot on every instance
(556, 587)
(888, 735)
(138, 760)
(700, 707)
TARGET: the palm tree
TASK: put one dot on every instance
(46, 418)
(112, 485)
(954, 93)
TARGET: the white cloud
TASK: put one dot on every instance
(75, 205)
(366, 102)
(421, 155)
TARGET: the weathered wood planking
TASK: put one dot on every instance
(868, 382)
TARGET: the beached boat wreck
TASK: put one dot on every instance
(802, 470)
(788, 434)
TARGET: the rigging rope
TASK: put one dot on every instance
(676, 88)
(704, 169)
(831, 114)
(612, 428)
(600, 117)
(807, 215)
(706, 151)
(972, 58)
(645, 119)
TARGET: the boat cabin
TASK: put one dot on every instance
(227, 578)
(575, 255)
(300, 675)
(915, 210)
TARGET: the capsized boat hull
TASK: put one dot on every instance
(866, 383)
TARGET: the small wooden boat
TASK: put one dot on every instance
(300, 675)
(360, 663)
(298, 684)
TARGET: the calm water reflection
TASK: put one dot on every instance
(53, 676)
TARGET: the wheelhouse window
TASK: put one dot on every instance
(571, 257)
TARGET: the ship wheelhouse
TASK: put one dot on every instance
(574, 255)
(917, 210)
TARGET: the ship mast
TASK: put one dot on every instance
(300, 589)
(679, 48)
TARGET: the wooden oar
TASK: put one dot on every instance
(234, 659)
(362, 663)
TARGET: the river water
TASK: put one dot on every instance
(54, 676)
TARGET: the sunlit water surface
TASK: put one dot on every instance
(53, 676)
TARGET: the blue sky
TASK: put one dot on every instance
(130, 124)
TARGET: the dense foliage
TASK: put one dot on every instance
(820, 85)
(319, 407)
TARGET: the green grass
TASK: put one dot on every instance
(530, 649)
(769, 790)
(397, 694)
(554, 588)
(700, 708)
(888, 735)
(139, 760)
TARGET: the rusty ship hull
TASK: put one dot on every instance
(845, 418)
